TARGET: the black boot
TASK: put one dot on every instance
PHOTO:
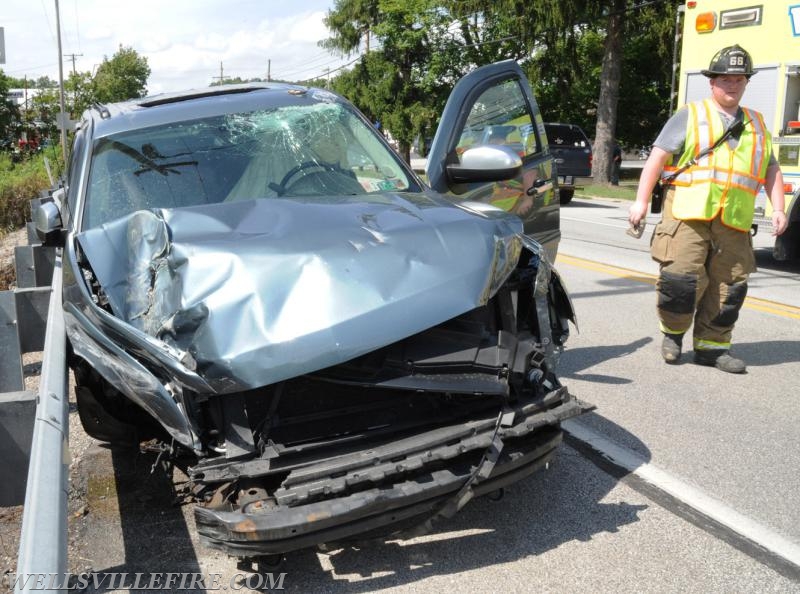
(721, 360)
(671, 347)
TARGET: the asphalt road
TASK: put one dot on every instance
(734, 437)
(583, 525)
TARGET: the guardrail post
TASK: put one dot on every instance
(17, 411)
(11, 377)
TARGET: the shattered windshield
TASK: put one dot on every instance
(313, 150)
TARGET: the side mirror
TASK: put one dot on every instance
(486, 163)
(49, 228)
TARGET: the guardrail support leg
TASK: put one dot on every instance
(11, 376)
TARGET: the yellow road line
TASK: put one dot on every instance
(642, 277)
(765, 305)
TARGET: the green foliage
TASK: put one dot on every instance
(80, 89)
(235, 80)
(349, 21)
(44, 109)
(404, 80)
(10, 119)
(567, 87)
(566, 74)
(419, 48)
(644, 103)
(402, 84)
(43, 82)
(122, 77)
(19, 182)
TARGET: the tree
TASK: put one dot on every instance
(587, 60)
(403, 81)
(79, 90)
(122, 77)
(645, 29)
(9, 113)
(45, 82)
(349, 22)
(45, 108)
(235, 80)
(605, 130)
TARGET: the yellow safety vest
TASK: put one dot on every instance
(726, 180)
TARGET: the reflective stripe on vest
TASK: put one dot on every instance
(726, 180)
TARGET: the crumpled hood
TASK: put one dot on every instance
(259, 291)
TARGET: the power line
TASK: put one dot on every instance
(309, 66)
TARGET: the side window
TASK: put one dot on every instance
(500, 115)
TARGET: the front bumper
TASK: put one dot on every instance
(393, 488)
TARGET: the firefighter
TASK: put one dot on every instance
(703, 243)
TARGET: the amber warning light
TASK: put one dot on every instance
(705, 22)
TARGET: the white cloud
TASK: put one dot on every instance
(184, 42)
(308, 27)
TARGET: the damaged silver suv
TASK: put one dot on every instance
(331, 348)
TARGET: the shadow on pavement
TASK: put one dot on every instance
(767, 352)
(133, 524)
(765, 261)
(574, 361)
(588, 203)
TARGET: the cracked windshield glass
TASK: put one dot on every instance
(314, 150)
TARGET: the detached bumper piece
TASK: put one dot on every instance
(399, 488)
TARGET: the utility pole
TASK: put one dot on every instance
(269, 69)
(72, 57)
(221, 76)
(61, 89)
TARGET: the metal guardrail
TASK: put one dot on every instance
(23, 323)
(43, 541)
(34, 427)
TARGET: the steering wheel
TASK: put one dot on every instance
(304, 168)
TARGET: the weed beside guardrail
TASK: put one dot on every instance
(18, 182)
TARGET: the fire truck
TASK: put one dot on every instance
(770, 31)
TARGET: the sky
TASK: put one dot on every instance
(184, 42)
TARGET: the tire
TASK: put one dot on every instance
(565, 196)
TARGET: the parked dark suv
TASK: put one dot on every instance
(572, 153)
(330, 348)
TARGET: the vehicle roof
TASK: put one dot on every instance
(573, 131)
(192, 104)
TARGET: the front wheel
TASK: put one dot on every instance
(565, 196)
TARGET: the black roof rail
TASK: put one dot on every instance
(104, 113)
(199, 94)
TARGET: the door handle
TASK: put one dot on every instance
(539, 185)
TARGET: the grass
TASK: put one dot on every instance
(19, 182)
(626, 190)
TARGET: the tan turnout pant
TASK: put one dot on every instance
(704, 267)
